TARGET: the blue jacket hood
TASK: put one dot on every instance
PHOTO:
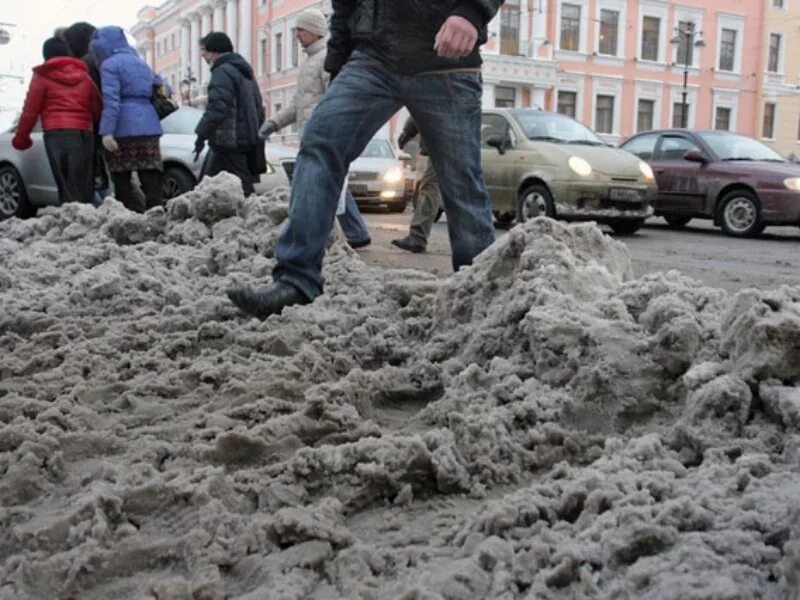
(109, 40)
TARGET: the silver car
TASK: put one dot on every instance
(377, 178)
(26, 182)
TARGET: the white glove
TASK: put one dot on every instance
(110, 144)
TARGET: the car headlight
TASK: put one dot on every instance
(647, 172)
(793, 183)
(580, 166)
(393, 175)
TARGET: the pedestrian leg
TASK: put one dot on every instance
(429, 203)
(362, 97)
(79, 165)
(352, 223)
(447, 110)
(151, 186)
(54, 147)
(123, 191)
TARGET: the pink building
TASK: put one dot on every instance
(621, 64)
(616, 65)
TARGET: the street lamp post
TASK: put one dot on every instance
(685, 38)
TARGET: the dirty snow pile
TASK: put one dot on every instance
(539, 425)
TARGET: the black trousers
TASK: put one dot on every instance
(70, 153)
(151, 187)
(233, 162)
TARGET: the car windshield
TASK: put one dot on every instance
(554, 127)
(731, 146)
(182, 121)
(378, 149)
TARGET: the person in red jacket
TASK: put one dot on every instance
(63, 95)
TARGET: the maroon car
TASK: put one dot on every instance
(735, 180)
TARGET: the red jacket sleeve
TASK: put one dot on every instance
(32, 109)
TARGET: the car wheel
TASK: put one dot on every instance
(13, 197)
(176, 181)
(676, 221)
(740, 214)
(533, 201)
(626, 226)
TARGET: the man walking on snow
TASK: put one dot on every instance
(312, 81)
(384, 54)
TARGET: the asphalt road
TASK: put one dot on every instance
(700, 250)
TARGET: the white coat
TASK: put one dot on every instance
(312, 81)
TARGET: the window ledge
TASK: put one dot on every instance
(729, 75)
(693, 69)
(650, 65)
(608, 59)
(573, 55)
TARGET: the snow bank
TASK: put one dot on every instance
(540, 425)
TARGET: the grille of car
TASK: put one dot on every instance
(288, 166)
(363, 175)
(623, 204)
(626, 179)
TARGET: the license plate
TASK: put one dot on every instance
(357, 189)
(624, 194)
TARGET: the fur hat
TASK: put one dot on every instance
(55, 47)
(217, 41)
(313, 21)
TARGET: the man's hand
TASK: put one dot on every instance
(22, 142)
(456, 38)
(199, 145)
(110, 144)
(403, 140)
(267, 129)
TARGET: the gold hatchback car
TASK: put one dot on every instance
(543, 163)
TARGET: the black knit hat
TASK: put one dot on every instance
(78, 36)
(55, 47)
(217, 41)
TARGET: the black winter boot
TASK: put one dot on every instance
(266, 301)
(409, 245)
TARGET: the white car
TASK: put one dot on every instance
(26, 182)
(377, 178)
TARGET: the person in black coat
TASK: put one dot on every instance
(233, 116)
(78, 36)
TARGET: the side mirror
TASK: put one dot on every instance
(497, 141)
(695, 156)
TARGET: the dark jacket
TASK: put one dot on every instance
(127, 83)
(401, 33)
(63, 95)
(235, 109)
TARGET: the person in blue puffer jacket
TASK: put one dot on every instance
(129, 126)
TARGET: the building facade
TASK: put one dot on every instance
(619, 66)
(778, 122)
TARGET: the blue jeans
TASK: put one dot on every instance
(447, 110)
(353, 225)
